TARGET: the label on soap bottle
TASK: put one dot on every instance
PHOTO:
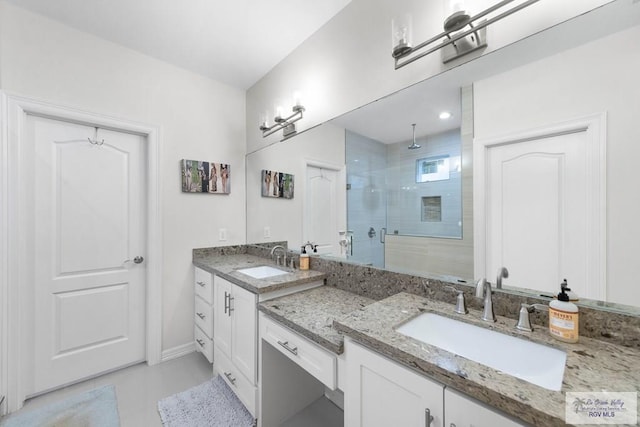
(563, 325)
(304, 262)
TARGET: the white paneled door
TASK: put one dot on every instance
(539, 204)
(321, 209)
(89, 245)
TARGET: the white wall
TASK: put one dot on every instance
(324, 145)
(348, 62)
(598, 77)
(198, 119)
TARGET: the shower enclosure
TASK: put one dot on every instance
(401, 189)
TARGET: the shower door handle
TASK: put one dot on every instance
(383, 233)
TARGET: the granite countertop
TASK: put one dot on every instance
(225, 266)
(591, 365)
(311, 313)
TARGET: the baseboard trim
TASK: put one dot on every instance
(179, 351)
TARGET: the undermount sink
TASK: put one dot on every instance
(262, 272)
(529, 361)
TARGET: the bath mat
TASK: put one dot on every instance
(212, 403)
(94, 408)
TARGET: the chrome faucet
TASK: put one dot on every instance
(524, 323)
(502, 273)
(284, 255)
(483, 290)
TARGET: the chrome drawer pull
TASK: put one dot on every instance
(200, 315)
(230, 377)
(201, 284)
(199, 341)
(428, 417)
(285, 344)
(230, 308)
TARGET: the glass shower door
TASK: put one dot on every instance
(366, 199)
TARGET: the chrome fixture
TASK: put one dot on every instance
(524, 323)
(455, 41)
(502, 273)
(461, 306)
(413, 145)
(284, 255)
(483, 290)
(285, 123)
(346, 242)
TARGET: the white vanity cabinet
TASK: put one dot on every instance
(203, 312)
(235, 338)
(461, 411)
(380, 392)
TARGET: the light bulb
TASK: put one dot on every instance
(297, 98)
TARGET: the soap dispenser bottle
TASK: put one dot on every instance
(563, 317)
(304, 258)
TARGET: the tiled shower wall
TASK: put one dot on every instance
(405, 195)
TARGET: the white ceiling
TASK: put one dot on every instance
(234, 42)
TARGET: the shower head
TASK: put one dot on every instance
(413, 145)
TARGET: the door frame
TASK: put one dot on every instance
(595, 127)
(15, 261)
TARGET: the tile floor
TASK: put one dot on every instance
(139, 387)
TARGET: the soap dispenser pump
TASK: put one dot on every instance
(563, 317)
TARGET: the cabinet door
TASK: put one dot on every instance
(461, 411)
(222, 315)
(380, 392)
(243, 332)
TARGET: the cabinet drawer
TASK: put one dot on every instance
(204, 316)
(204, 285)
(204, 344)
(246, 392)
(309, 356)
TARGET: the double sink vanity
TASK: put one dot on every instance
(291, 345)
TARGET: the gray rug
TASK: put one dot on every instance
(209, 404)
(95, 408)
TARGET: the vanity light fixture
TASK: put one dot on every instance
(285, 123)
(462, 33)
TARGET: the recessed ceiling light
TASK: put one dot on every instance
(445, 115)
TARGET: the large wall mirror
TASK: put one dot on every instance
(578, 78)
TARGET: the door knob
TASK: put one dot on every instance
(138, 259)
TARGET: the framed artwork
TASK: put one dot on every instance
(205, 177)
(277, 184)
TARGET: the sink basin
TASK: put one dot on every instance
(532, 362)
(262, 272)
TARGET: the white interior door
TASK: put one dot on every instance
(89, 294)
(538, 205)
(321, 209)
